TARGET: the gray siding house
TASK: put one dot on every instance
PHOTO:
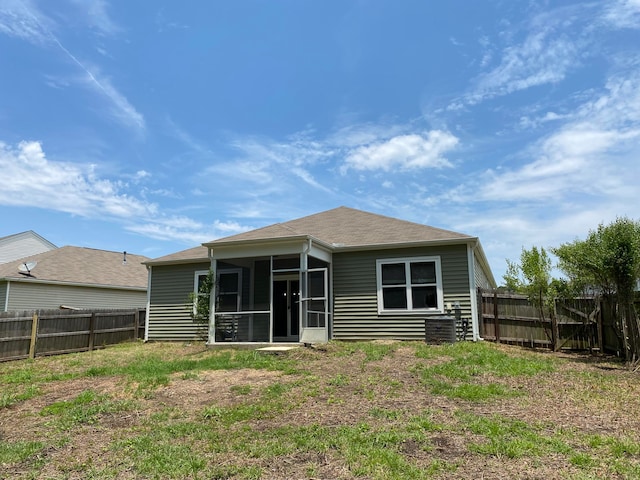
(340, 274)
(21, 245)
(74, 277)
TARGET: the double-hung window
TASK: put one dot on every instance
(412, 285)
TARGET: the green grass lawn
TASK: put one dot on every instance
(366, 410)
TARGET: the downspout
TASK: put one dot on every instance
(6, 299)
(473, 295)
(148, 312)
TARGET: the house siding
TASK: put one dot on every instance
(22, 246)
(169, 307)
(482, 281)
(355, 308)
(30, 296)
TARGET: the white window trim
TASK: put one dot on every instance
(408, 311)
(196, 276)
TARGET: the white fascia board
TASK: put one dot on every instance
(182, 261)
(259, 249)
(320, 252)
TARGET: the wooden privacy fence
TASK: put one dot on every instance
(49, 332)
(583, 323)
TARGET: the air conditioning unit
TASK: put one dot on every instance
(440, 329)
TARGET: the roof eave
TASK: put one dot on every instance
(180, 261)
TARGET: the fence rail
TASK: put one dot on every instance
(29, 334)
(585, 323)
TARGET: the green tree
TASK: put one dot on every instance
(608, 261)
(532, 277)
(201, 304)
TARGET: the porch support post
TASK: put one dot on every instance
(304, 287)
(212, 300)
(271, 299)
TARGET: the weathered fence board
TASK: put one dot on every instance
(50, 332)
(510, 318)
(585, 323)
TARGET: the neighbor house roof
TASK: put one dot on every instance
(78, 265)
(345, 227)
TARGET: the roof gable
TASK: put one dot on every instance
(80, 265)
(20, 245)
(348, 227)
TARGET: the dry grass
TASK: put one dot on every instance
(366, 410)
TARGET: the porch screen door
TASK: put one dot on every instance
(315, 303)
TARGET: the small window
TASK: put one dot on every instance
(409, 285)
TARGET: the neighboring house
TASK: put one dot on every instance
(21, 245)
(341, 274)
(74, 277)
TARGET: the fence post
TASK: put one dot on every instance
(496, 317)
(34, 335)
(136, 323)
(599, 316)
(92, 328)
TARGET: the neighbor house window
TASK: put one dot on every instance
(409, 285)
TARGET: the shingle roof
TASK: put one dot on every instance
(348, 227)
(80, 265)
(189, 255)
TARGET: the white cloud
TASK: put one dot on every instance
(36, 181)
(623, 13)
(403, 152)
(594, 153)
(77, 189)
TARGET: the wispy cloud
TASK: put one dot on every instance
(186, 230)
(23, 20)
(582, 173)
(97, 16)
(545, 56)
(623, 14)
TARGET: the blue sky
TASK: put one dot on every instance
(151, 127)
